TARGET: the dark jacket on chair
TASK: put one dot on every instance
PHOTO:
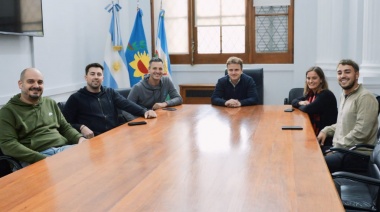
(98, 111)
(245, 91)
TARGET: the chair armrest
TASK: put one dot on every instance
(368, 146)
(286, 101)
(16, 164)
(347, 151)
(357, 178)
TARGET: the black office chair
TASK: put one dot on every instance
(258, 76)
(123, 91)
(378, 101)
(8, 163)
(293, 94)
(359, 192)
(124, 116)
(61, 105)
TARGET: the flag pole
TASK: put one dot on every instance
(118, 46)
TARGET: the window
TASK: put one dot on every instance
(208, 32)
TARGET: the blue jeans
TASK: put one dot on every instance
(54, 150)
(51, 151)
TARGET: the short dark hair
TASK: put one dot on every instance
(349, 62)
(155, 59)
(93, 65)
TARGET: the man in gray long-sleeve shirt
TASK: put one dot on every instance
(153, 90)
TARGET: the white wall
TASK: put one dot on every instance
(15, 55)
(75, 33)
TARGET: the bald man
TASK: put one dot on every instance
(31, 126)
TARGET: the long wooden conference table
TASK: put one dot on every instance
(197, 158)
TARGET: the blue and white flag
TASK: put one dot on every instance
(115, 69)
(162, 45)
(137, 51)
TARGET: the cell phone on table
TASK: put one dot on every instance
(134, 123)
(291, 128)
(289, 110)
(169, 108)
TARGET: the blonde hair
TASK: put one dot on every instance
(235, 60)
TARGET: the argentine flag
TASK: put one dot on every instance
(161, 44)
(115, 70)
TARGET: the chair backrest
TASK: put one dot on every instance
(258, 76)
(293, 94)
(374, 169)
(124, 116)
(375, 162)
(61, 105)
(124, 91)
(378, 101)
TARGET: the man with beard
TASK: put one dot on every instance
(31, 126)
(357, 120)
(93, 109)
(236, 89)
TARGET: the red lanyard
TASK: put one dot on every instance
(311, 98)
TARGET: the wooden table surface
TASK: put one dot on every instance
(197, 158)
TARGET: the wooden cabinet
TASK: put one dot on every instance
(196, 93)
